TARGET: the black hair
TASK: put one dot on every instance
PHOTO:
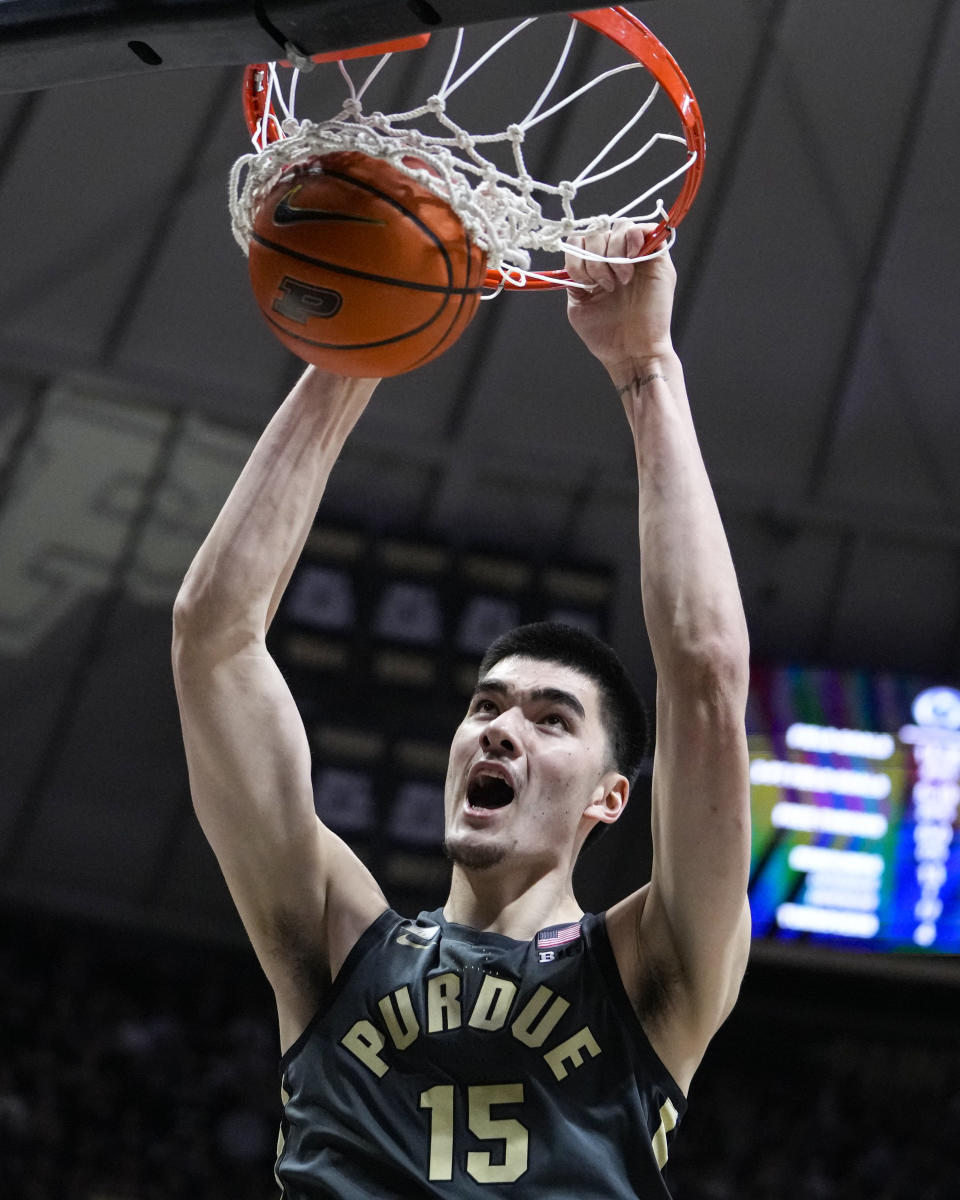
(622, 711)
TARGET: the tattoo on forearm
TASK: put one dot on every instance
(640, 381)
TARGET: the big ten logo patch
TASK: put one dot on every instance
(558, 942)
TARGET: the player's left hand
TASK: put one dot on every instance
(624, 317)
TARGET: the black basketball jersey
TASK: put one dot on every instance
(447, 1062)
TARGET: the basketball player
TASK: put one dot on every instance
(506, 1044)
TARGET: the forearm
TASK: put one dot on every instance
(692, 607)
(697, 631)
(239, 573)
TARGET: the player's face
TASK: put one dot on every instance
(526, 761)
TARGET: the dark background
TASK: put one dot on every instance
(816, 317)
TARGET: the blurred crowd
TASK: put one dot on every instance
(134, 1069)
(823, 1111)
(133, 1072)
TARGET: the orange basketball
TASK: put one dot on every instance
(360, 269)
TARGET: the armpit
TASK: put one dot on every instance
(297, 951)
(657, 988)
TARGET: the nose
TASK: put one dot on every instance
(499, 736)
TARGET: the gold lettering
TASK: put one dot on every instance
(365, 1041)
(571, 1049)
(480, 1164)
(399, 1018)
(493, 1003)
(668, 1121)
(540, 1031)
(285, 1098)
(439, 1100)
(443, 1002)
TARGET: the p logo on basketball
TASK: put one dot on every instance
(300, 301)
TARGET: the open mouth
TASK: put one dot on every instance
(489, 791)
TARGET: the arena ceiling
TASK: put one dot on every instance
(817, 319)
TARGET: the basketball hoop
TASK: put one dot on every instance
(504, 211)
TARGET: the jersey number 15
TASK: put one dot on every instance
(480, 1100)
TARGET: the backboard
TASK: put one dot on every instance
(44, 43)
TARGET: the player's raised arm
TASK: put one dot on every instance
(303, 896)
(682, 942)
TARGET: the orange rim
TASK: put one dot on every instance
(615, 23)
(627, 31)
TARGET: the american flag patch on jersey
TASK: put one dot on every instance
(550, 939)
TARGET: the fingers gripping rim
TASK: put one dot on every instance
(616, 23)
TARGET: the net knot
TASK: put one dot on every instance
(436, 105)
(352, 107)
(515, 133)
(566, 189)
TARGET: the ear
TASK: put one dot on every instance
(609, 798)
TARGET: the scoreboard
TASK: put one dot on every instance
(855, 782)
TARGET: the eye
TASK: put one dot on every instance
(483, 705)
(556, 720)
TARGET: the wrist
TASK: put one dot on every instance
(640, 370)
(324, 392)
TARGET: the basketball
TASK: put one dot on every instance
(360, 269)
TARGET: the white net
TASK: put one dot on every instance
(502, 210)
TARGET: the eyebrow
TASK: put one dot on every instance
(554, 695)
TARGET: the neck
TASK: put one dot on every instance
(497, 901)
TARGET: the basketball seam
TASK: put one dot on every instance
(398, 337)
(437, 348)
(413, 285)
(401, 208)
